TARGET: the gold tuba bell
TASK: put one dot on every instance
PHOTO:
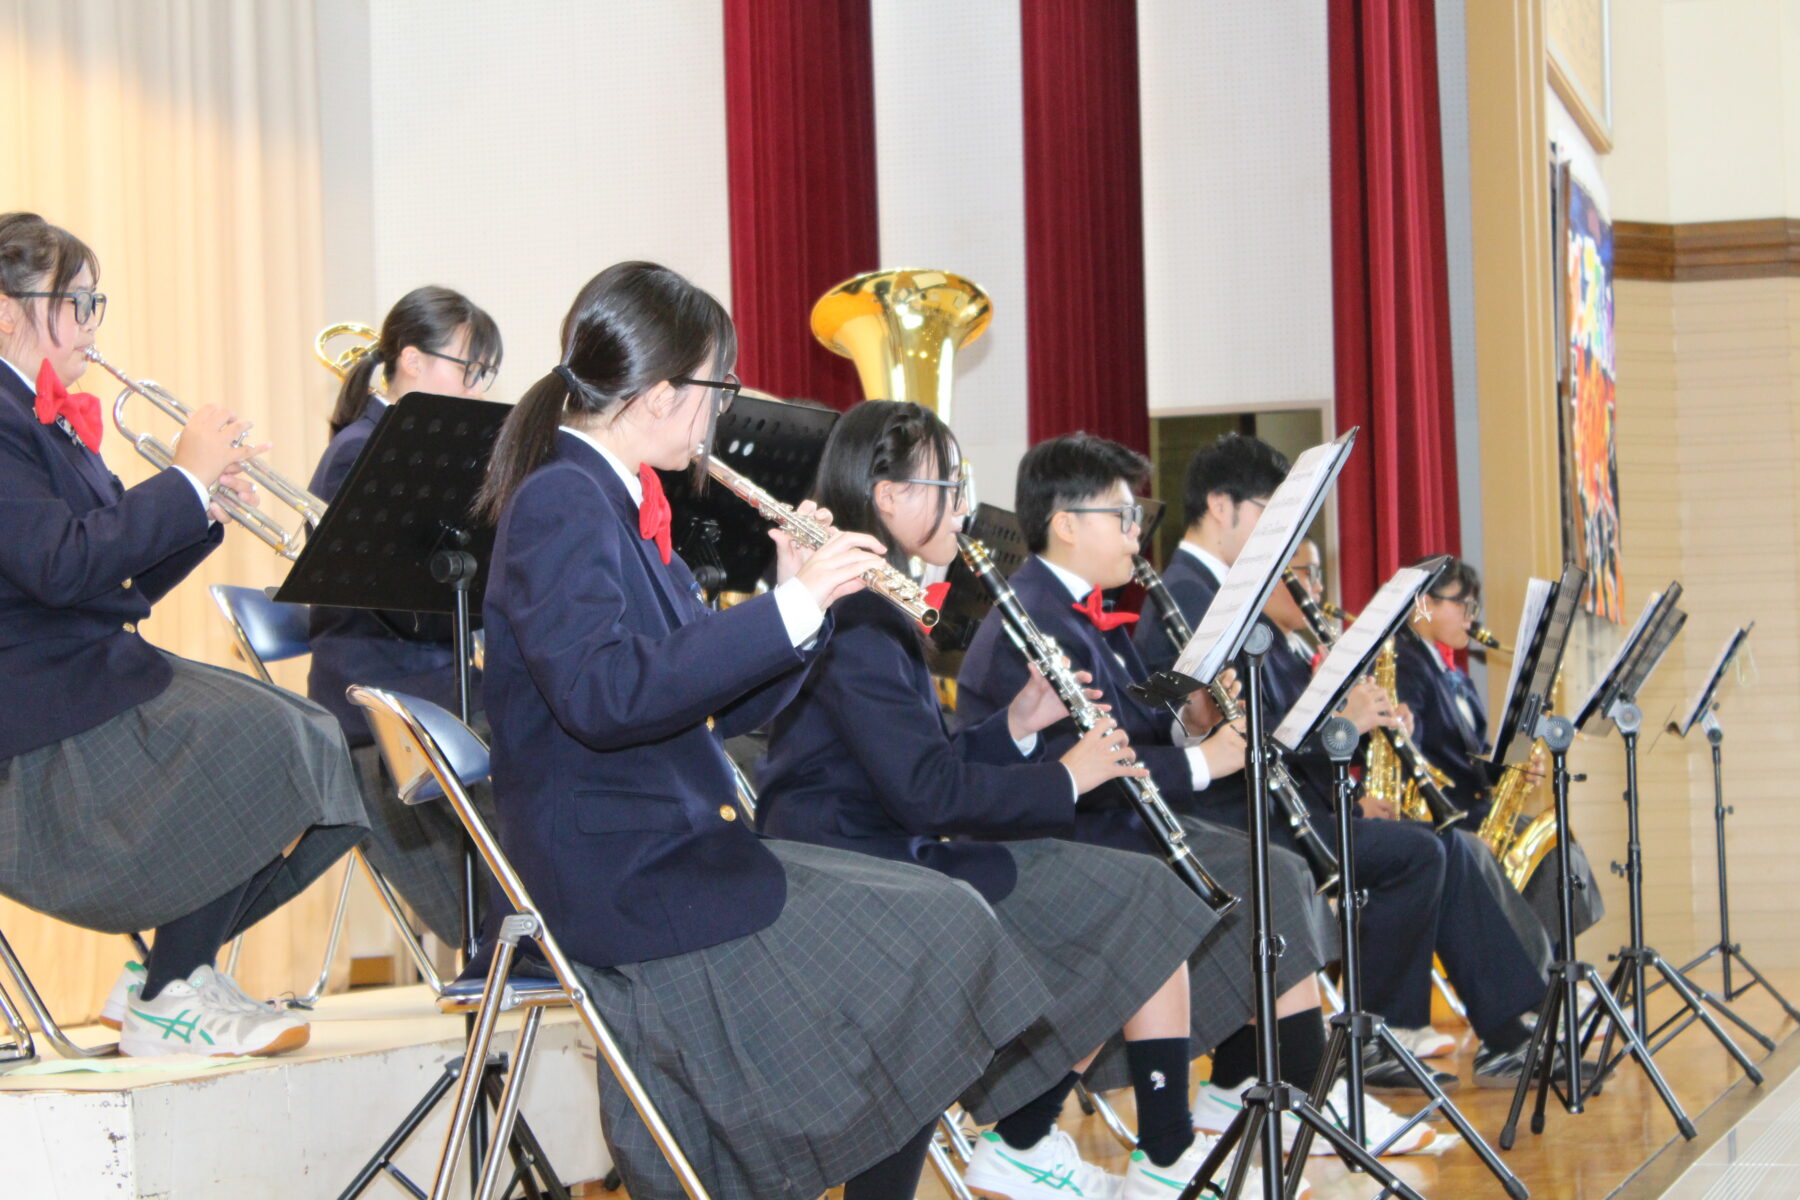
(340, 363)
(902, 329)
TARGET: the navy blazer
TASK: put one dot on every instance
(82, 559)
(1448, 739)
(993, 671)
(614, 795)
(862, 760)
(1193, 588)
(406, 652)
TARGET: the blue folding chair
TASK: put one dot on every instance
(264, 632)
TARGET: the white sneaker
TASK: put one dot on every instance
(1379, 1124)
(1424, 1042)
(1144, 1180)
(1051, 1170)
(201, 1015)
(112, 1013)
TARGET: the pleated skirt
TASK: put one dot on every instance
(788, 1061)
(153, 813)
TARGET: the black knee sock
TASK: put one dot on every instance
(1026, 1126)
(1302, 1046)
(1509, 1036)
(190, 941)
(253, 890)
(895, 1177)
(1159, 1076)
(1302, 1049)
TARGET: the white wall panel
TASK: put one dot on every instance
(951, 175)
(1237, 204)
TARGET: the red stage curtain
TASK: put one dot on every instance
(800, 118)
(1084, 220)
(1397, 499)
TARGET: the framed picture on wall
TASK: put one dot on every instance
(1578, 44)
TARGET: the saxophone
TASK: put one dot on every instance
(1520, 848)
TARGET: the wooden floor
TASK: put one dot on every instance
(1620, 1146)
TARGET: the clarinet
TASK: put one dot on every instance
(1318, 855)
(1443, 810)
(1043, 653)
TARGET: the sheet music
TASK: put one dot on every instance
(1375, 624)
(1704, 699)
(1590, 706)
(1531, 616)
(1271, 547)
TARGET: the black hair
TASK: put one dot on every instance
(631, 327)
(1458, 578)
(36, 256)
(1243, 468)
(428, 318)
(876, 440)
(1067, 470)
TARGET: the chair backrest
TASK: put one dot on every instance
(417, 730)
(264, 630)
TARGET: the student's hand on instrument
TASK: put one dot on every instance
(1200, 714)
(209, 444)
(1225, 750)
(242, 489)
(1377, 810)
(789, 558)
(1368, 707)
(1037, 706)
(1103, 753)
(1406, 718)
(836, 569)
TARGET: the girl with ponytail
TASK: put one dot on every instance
(436, 341)
(800, 1015)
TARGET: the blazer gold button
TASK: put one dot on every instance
(130, 628)
(727, 812)
(709, 724)
(126, 584)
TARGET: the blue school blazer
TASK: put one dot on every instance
(407, 652)
(82, 559)
(862, 760)
(610, 689)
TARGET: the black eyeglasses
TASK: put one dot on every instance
(1469, 604)
(1312, 572)
(89, 304)
(1128, 514)
(731, 385)
(476, 374)
(960, 499)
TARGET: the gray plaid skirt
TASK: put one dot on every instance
(789, 1060)
(153, 813)
(1103, 929)
(1221, 994)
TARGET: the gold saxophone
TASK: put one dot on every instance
(1386, 776)
(1520, 848)
(892, 585)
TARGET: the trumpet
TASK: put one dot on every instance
(885, 581)
(268, 530)
(340, 364)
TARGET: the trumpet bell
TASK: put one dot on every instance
(344, 359)
(902, 329)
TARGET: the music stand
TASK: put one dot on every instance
(401, 536)
(1705, 712)
(776, 443)
(1616, 695)
(1543, 634)
(967, 601)
(1353, 1029)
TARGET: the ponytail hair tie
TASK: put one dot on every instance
(562, 372)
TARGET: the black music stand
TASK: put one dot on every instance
(1705, 713)
(1543, 636)
(1354, 1029)
(401, 536)
(1616, 697)
(967, 602)
(778, 444)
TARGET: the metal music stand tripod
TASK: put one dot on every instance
(1705, 713)
(1258, 1123)
(400, 536)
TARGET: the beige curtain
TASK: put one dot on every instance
(180, 139)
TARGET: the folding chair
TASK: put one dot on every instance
(266, 632)
(17, 1046)
(431, 754)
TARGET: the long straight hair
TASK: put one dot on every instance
(428, 318)
(634, 325)
(878, 440)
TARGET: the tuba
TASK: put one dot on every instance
(902, 329)
(339, 364)
(162, 455)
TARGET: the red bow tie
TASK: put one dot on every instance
(934, 596)
(1104, 621)
(653, 513)
(81, 410)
